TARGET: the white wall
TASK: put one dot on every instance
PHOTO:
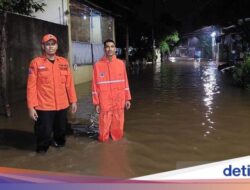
(54, 11)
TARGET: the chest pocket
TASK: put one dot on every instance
(43, 76)
(64, 75)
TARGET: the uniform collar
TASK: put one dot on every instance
(104, 58)
(45, 58)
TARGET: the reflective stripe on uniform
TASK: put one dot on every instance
(110, 81)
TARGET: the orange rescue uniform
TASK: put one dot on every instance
(50, 85)
(110, 90)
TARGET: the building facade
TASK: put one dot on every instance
(88, 28)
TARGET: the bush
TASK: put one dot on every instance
(241, 73)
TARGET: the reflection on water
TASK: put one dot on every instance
(183, 113)
(211, 88)
(186, 114)
(113, 159)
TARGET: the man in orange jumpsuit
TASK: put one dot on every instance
(110, 93)
(50, 91)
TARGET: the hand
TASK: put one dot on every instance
(73, 108)
(97, 109)
(127, 105)
(33, 114)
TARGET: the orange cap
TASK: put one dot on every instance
(48, 37)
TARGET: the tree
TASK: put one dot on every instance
(241, 73)
(25, 7)
(168, 42)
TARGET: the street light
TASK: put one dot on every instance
(213, 34)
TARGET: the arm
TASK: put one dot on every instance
(32, 101)
(95, 97)
(127, 90)
(70, 87)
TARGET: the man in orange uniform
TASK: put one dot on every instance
(110, 93)
(50, 90)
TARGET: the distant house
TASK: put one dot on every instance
(199, 43)
(234, 41)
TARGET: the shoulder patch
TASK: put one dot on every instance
(102, 74)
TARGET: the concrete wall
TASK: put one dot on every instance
(83, 74)
(23, 44)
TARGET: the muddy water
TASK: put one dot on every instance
(183, 113)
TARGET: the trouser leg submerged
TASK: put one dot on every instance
(111, 123)
(49, 122)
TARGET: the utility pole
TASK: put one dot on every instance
(127, 45)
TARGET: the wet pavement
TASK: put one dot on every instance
(183, 113)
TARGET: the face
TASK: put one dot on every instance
(110, 49)
(50, 47)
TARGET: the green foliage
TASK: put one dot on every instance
(26, 7)
(168, 41)
(173, 37)
(241, 73)
(164, 47)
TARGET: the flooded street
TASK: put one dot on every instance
(183, 113)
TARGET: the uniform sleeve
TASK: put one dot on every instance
(32, 86)
(95, 96)
(70, 87)
(127, 90)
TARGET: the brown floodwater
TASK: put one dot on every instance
(183, 113)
